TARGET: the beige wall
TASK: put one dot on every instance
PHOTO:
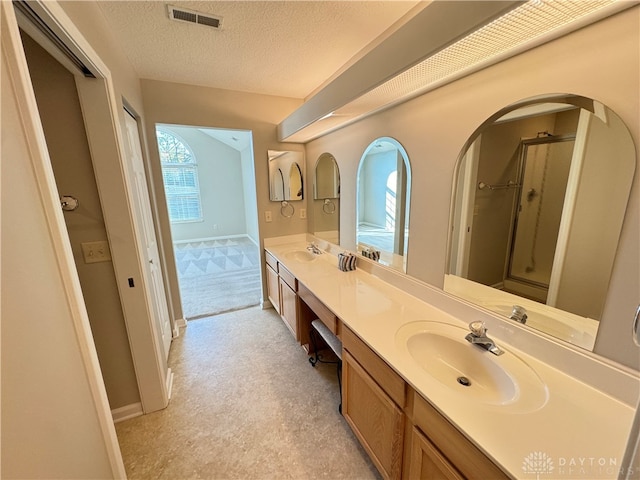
(54, 406)
(191, 105)
(600, 62)
(63, 125)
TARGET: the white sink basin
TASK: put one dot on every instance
(441, 350)
(300, 256)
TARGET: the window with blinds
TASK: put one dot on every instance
(180, 177)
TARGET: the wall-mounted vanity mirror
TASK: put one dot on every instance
(326, 195)
(539, 201)
(285, 175)
(382, 201)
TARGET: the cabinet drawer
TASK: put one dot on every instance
(383, 374)
(458, 450)
(319, 308)
(288, 277)
(271, 260)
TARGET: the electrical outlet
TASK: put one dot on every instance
(267, 215)
(94, 252)
(303, 213)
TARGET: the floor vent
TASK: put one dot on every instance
(191, 16)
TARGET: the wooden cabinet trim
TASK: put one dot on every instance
(319, 308)
(392, 383)
(426, 461)
(457, 448)
(271, 261)
(288, 277)
(289, 307)
(273, 288)
(383, 441)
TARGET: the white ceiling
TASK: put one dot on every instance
(285, 48)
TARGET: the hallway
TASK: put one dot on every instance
(246, 404)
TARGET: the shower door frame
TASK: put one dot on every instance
(524, 144)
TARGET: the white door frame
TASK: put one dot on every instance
(38, 160)
(101, 111)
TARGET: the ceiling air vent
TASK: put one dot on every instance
(191, 16)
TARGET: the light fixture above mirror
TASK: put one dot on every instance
(405, 64)
(540, 196)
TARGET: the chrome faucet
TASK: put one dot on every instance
(478, 336)
(519, 314)
(313, 248)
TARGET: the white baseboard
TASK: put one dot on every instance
(125, 413)
(210, 239)
(169, 382)
(177, 325)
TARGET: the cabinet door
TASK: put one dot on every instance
(273, 289)
(426, 462)
(289, 307)
(374, 418)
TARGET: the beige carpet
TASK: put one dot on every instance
(246, 405)
(217, 276)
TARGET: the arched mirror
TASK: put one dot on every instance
(382, 203)
(285, 175)
(326, 194)
(539, 201)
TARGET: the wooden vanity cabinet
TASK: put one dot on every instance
(438, 450)
(282, 288)
(289, 300)
(273, 282)
(425, 461)
(373, 398)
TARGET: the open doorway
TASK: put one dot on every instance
(209, 185)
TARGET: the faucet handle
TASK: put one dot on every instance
(478, 328)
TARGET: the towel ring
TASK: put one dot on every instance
(328, 207)
(284, 209)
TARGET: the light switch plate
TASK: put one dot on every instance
(94, 252)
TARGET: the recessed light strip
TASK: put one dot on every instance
(532, 21)
(532, 24)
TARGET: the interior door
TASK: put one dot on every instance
(145, 220)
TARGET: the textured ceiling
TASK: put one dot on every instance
(286, 48)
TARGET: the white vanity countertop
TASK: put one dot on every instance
(581, 431)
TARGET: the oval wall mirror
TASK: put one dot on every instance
(326, 194)
(382, 202)
(539, 201)
(285, 175)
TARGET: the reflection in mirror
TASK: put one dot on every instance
(285, 176)
(539, 202)
(382, 204)
(326, 204)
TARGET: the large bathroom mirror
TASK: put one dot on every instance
(326, 195)
(382, 202)
(539, 200)
(285, 175)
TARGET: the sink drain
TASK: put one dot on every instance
(464, 381)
